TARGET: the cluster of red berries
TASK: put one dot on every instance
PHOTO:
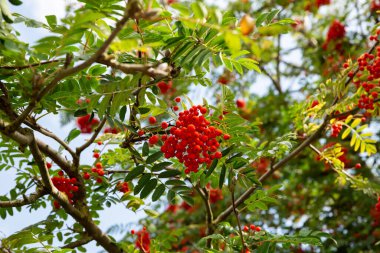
(86, 125)
(368, 78)
(335, 130)
(322, 2)
(122, 187)
(252, 227)
(335, 34)
(65, 185)
(184, 206)
(111, 130)
(375, 5)
(192, 140)
(98, 169)
(165, 87)
(214, 194)
(261, 165)
(375, 213)
(143, 240)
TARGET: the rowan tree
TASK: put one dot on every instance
(250, 128)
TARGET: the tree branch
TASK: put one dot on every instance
(77, 243)
(37, 64)
(132, 11)
(92, 139)
(129, 68)
(26, 200)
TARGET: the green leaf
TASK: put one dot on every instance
(154, 157)
(151, 213)
(222, 176)
(158, 192)
(72, 135)
(134, 173)
(52, 20)
(149, 187)
(212, 167)
(161, 166)
(199, 9)
(145, 149)
(169, 173)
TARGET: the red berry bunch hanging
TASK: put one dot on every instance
(65, 185)
(86, 125)
(335, 130)
(335, 34)
(143, 240)
(368, 77)
(122, 187)
(336, 31)
(192, 140)
(98, 169)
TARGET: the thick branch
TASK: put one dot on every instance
(129, 68)
(26, 200)
(84, 219)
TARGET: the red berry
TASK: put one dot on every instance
(132, 232)
(315, 103)
(96, 155)
(48, 165)
(203, 110)
(358, 166)
(56, 204)
(100, 172)
(175, 108)
(100, 143)
(246, 229)
(153, 140)
(73, 180)
(99, 180)
(226, 136)
(152, 120)
(177, 99)
(99, 165)
(60, 173)
(252, 227)
(86, 175)
(374, 94)
(141, 132)
(164, 125)
(240, 103)
(258, 229)
(88, 100)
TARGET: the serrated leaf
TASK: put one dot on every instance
(154, 157)
(158, 192)
(148, 188)
(169, 173)
(151, 213)
(134, 173)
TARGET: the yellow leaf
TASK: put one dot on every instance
(353, 139)
(357, 144)
(356, 123)
(346, 133)
(349, 118)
